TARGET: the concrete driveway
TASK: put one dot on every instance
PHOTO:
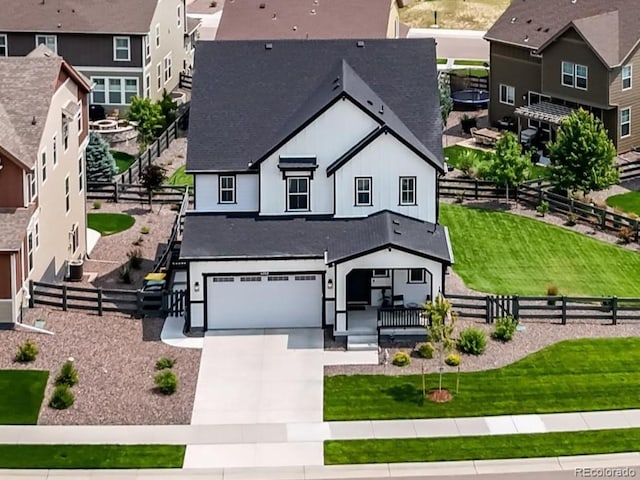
(260, 376)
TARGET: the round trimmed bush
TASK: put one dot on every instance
(167, 382)
(426, 350)
(453, 360)
(505, 329)
(472, 340)
(62, 398)
(68, 374)
(401, 359)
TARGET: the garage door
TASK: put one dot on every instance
(261, 301)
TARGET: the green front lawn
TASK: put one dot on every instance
(530, 445)
(91, 456)
(123, 160)
(570, 376)
(180, 178)
(442, 61)
(454, 152)
(504, 253)
(109, 223)
(21, 394)
(471, 63)
(627, 202)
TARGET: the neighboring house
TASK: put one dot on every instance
(43, 135)
(315, 166)
(125, 47)
(309, 19)
(550, 56)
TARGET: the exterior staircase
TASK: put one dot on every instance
(363, 330)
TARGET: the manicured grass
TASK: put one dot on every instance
(180, 178)
(504, 253)
(109, 223)
(530, 445)
(570, 376)
(471, 63)
(91, 456)
(123, 160)
(21, 394)
(627, 202)
(454, 151)
(470, 72)
(442, 61)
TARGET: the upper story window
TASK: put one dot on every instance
(227, 189)
(80, 119)
(54, 149)
(179, 16)
(67, 193)
(574, 75)
(167, 68)
(4, 50)
(297, 193)
(507, 94)
(407, 190)
(121, 49)
(43, 165)
(65, 133)
(147, 48)
(363, 191)
(50, 41)
(159, 75)
(157, 35)
(80, 172)
(625, 122)
(32, 178)
(627, 71)
(30, 251)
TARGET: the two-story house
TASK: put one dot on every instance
(43, 135)
(549, 57)
(316, 167)
(126, 48)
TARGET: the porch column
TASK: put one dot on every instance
(340, 285)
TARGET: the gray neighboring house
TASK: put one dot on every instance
(551, 56)
(125, 47)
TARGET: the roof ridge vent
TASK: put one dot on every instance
(268, 46)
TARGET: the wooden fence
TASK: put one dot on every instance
(469, 189)
(124, 192)
(176, 233)
(629, 171)
(186, 80)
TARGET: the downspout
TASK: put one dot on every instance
(13, 288)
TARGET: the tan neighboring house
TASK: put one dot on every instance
(43, 135)
(550, 56)
(125, 47)
(309, 19)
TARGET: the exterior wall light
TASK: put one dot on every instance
(330, 283)
(196, 287)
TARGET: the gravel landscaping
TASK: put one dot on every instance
(115, 356)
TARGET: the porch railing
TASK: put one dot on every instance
(402, 317)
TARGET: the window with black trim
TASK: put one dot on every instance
(407, 190)
(67, 190)
(363, 191)
(416, 275)
(298, 193)
(227, 189)
(75, 239)
(377, 272)
(30, 251)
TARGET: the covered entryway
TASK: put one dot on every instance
(264, 301)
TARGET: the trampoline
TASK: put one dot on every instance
(471, 96)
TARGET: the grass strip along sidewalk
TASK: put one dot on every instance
(492, 447)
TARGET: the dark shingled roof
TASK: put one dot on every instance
(247, 99)
(244, 237)
(611, 27)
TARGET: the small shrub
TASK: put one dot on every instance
(125, 273)
(552, 291)
(468, 161)
(453, 360)
(135, 258)
(27, 351)
(145, 230)
(68, 375)
(467, 123)
(426, 350)
(505, 329)
(401, 359)
(543, 208)
(625, 235)
(572, 219)
(459, 197)
(97, 205)
(472, 341)
(62, 398)
(165, 362)
(167, 382)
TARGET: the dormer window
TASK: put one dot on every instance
(227, 189)
(297, 194)
(50, 41)
(575, 76)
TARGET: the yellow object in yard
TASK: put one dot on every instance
(155, 276)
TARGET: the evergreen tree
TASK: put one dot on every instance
(101, 166)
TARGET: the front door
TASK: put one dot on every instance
(359, 287)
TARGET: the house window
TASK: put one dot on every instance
(574, 75)
(98, 93)
(625, 122)
(147, 86)
(4, 51)
(30, 251)
(582, 74)
(80, 116)
(227, 189)
(147, 48)
(157, 35)
(407, 190)
(626, 77)
(121, 49)
(130, 89)
(567, 74)
(179, 16)
(297, 193)
(416, 275)
(363, 191)
(159, 75)
(67, 203)
(114, 91)
(380, 272)
(507, 94)
(74, 240)
(65, 133)
(43, 165)
(33, 185)
(49, 40)
(54, 153)
(36, 234)
(167, 68)
(80, 173)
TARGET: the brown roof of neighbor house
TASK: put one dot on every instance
(77, 16)
(300, 19)
(611, 27)
(13, 225)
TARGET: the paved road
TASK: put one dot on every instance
(455, 43)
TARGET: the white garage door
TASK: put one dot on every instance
(275, 301)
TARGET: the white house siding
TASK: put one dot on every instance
(413, 292)
(327, 138)
(207, 194)
(386, 160)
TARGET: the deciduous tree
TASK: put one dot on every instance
(510, 166)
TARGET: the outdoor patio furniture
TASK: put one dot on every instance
(398, 301)
(486, 136)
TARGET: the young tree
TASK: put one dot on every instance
(509, 166)
(583, 156)
(443, 321)
(148, 115)
(168, 107)
(101, 166)
(152, 177)
(446, 104)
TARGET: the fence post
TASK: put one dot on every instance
(488, 304)
(100, 302)
(115, 191)
(636, 230)
(476, 189)
(64, 298)
(175, 129)
(614, 310)
(31, 301)
(516, 307)
(603, 219)
(564, 310)
(158, 147)
(139, 309)
(129, 172)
